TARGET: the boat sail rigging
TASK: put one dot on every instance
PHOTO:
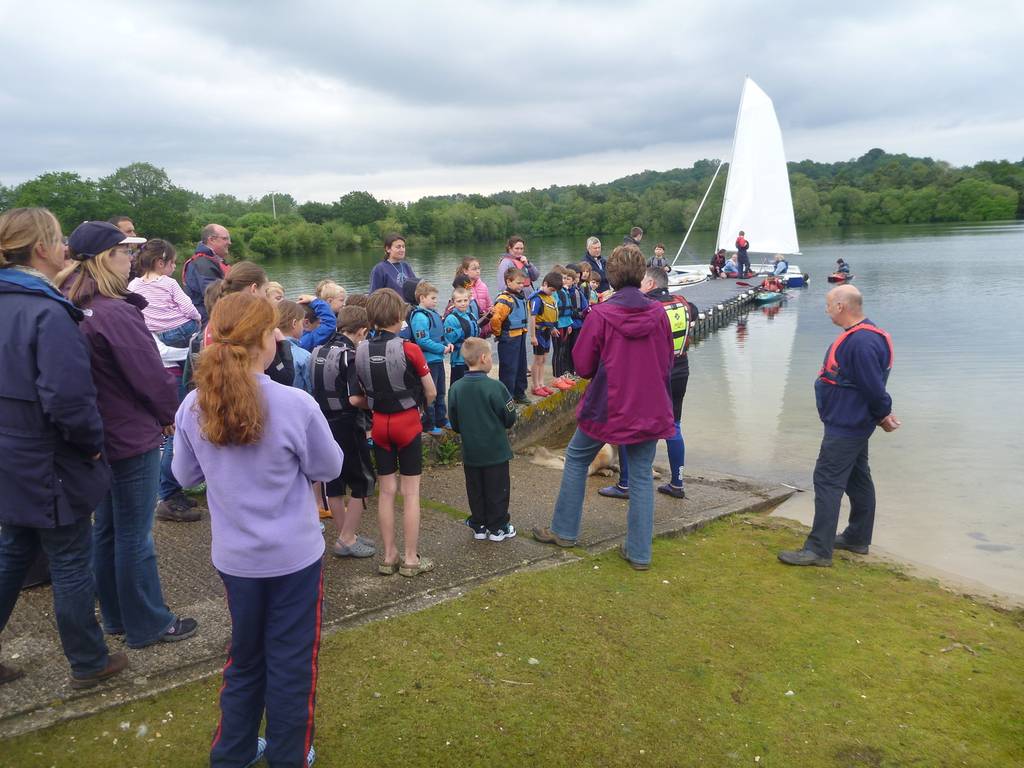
(757, 193)
(757, 198)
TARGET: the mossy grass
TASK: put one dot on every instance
(717, 656)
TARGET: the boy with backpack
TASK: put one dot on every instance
(333, 375)
(393, 379)
(459, 325)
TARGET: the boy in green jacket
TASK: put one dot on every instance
(481, 409)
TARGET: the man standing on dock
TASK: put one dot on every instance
(852, 401)
(742, 246)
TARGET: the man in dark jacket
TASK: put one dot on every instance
(51, 441)
(208, 264)
(852, 401)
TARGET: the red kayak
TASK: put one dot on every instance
(840, 277)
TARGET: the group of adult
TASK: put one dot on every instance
(85, 404)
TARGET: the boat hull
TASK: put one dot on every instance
(769, 297)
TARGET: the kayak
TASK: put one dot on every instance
(767, 297)
(840, 277)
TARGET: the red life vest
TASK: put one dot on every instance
(741, 243)
(830, 373)
(224, 266)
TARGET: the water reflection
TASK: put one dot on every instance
(755, 367)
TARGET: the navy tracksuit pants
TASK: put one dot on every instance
(272, 666)
(512, 363)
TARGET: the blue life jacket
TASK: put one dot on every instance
(564, 303)
(458, 327)
(516, 319)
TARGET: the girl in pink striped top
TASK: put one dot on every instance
(470, 267)
(170, 314)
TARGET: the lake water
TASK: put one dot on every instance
(949, 481)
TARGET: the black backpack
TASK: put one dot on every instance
(329, 368)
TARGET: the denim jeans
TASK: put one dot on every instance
(180, 336)
(124, 557)
(169, 485)
(569, 507)
(74, 593)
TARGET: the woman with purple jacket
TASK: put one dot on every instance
(625, 344)
(137, 398)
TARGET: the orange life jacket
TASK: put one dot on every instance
(830, 373)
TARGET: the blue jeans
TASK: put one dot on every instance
(180, 336)
(74, 593)
(569, 507)
(512, 364)
(169, 485)
(124, 557)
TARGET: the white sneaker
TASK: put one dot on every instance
(508, 532)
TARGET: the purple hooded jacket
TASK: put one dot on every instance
(136, 395)
(625, 349)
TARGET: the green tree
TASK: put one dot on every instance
(69, 197)
(359, 208)
(146, 194)
(316, 213)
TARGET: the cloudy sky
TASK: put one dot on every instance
(411, 98)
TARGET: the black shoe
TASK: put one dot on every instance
(842, 543)
(522, 400)
(181, 629)
(117, 662)
(804, 557)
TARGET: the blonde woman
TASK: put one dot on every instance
(137, 398)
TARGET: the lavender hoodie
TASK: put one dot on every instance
(264, 519)
(625, 349)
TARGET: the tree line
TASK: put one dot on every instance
(877, 188)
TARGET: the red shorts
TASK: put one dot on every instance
(396, 442)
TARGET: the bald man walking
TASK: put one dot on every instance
(852, 401)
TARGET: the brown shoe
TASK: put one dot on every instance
(424, 565)
(547, 536)
(9, 674)
(177, 510)
(633, 563)
(117, 662)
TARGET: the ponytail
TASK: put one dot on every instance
(229, 401)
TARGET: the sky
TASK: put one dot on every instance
(405, 99)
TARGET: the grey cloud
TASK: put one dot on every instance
(230, 88)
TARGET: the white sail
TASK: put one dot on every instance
(757, 196)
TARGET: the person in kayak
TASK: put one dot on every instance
(842, 268)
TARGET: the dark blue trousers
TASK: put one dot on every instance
(512, 363)
(842, 467)
(272, 666)
(440, 414)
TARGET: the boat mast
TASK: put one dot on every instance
(694, 221)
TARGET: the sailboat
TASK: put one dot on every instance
(757, 194)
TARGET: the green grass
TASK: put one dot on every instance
(592, 664)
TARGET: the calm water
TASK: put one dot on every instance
(949, 480)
